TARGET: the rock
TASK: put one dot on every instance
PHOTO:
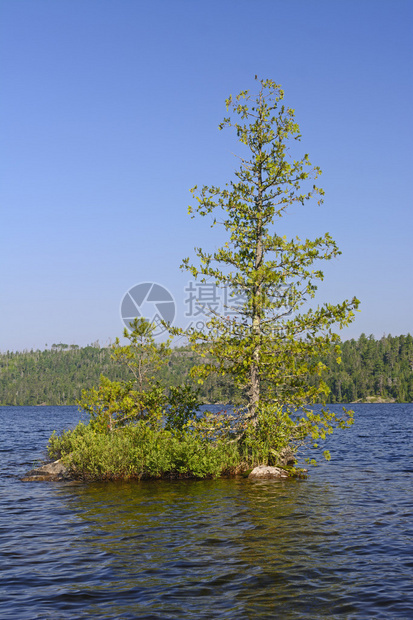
(50, 471)
(287, 457)
(265, 472)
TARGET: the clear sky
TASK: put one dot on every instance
(109, 113)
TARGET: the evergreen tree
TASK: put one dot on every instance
(270, 346)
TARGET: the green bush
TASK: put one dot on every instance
(139, 451)
(274, 432)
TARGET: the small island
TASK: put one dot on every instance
(266, 340)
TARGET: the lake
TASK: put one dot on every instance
(337, 545)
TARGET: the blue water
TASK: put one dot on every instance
(338, 545)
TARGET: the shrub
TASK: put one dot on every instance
(139, 451)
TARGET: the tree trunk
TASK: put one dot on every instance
(255, 380)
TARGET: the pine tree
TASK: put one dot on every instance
(268, 345)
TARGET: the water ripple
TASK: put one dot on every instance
(338, 545)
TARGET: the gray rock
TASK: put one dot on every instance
(50, 471)
(286, 457)
(265, 471)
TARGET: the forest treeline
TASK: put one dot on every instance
(369, 369)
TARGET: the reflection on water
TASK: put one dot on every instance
(234, 546)
(338, 545)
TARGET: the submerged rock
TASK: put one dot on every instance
(50, 471)
(265, 472)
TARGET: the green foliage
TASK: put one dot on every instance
(64, 444)
(275, 432)
(140, 451)
(183, 405)
(142, 356)
(207, 446)
(268, 345)
(280, 433)
(118, 403)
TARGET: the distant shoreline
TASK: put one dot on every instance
(372, 400)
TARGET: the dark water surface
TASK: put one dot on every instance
(338, 545)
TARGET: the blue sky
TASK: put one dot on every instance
(109, 114)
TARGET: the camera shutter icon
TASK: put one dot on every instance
(151, 301)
